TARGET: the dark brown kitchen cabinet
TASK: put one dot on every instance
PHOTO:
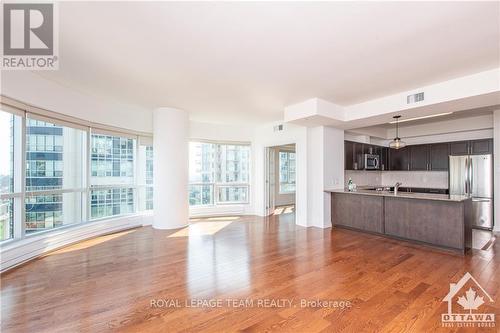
(475, 147)
(349, 155)
(384, 158)
(479, 147)
(431, 157)
(358, 156)
(419, 157)
(459, 148)
(399, 159)
(439, 157)
(353, 152)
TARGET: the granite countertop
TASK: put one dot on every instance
(405, 195)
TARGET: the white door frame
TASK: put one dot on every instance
(270, 177)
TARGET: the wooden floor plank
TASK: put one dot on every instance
(108, 283)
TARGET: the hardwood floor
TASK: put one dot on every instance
(109, 283)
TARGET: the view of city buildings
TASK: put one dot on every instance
(287, 171)
(55, 175)
(55, 188)
(112, 164)
(218, 173)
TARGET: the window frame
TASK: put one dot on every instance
(97, 187)
(217, 185)
(19, 193)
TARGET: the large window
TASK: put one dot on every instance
(145, 174)
(218, 173)
(54, 172)
(112, 175)
(287, 171)
(7, 128)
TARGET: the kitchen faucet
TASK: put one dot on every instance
(396, 187)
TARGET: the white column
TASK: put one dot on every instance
(496, 168)
(171, 163)
(325, 170)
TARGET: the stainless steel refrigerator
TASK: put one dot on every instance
(472, 175)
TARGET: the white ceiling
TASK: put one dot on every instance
(244, 62)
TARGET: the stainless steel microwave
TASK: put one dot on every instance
(371, 162)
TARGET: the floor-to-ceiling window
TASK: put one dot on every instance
(112, 175)
(7, 192)
(219, 173)
(54, 173)
(145, 174)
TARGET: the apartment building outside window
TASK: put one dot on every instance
(287, 171)
(145, 174)
(112, 175)
(219, 173)
(54, 175)
(57, 172)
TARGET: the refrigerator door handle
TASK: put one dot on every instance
(471, 177)
(480, 200)
(466, 177)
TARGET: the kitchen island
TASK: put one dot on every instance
(436, 219)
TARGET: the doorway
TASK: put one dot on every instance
(280, 180)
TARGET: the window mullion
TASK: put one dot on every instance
(20, 177)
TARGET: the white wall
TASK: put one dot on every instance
(325, 163)
(31, 88)
(496, 176)
(220, 132)
(450, 126)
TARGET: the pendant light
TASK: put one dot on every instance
(397, 143)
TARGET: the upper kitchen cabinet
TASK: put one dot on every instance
(349, 155)
(480, 147)
(384, 158)
(476, 147)
(352, 153)
(419, 157)
(438, 157)
(399, 159)
(459, 148)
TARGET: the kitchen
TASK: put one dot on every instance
(434, 193)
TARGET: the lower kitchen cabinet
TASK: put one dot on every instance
(358, 212)
(422, 220)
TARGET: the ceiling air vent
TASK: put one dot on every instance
(278, 128)
(419, 97)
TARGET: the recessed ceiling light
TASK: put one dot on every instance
(423, 117)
